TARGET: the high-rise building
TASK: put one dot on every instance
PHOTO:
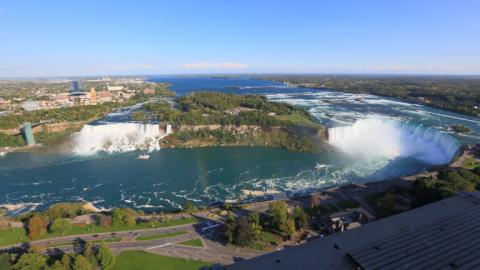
(27, 130)
(76, 89)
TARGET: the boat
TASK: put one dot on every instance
(2, 154)
(143, 157)
(320, 166)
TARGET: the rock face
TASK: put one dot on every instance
(296, 138)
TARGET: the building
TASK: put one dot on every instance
(148, 91)
(27, 130)
(31, 105)
(93, 93)
(115, 88)
(441, 235)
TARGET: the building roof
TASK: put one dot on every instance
(441, 235)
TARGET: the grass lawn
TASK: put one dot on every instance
(160, 235)
(141, 260)
(299, 119)
(194, 243)
(12, 236)
(266, 239)
(18, 235)
(348, 204)
(471, 163)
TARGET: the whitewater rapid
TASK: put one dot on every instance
(117, 137)
(380, 138)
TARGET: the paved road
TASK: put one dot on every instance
(125, 235)
(213, 252)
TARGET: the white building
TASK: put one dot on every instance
(115, 88)
(31, 105)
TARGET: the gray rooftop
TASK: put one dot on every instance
(441, 235)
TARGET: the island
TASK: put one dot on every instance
(206, 118)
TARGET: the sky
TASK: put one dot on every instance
(116, 37)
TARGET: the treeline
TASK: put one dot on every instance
(446, 184)
(11, 140)
(246, 231)
(459, 94)
(86, 257)
(76, 113)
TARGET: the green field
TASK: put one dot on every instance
(19, 235)
(267, 239)
(299, 119)
(193, 243)
(133, 260)
(160, 235)
(12, 236)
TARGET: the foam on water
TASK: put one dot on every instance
(117, 137)
(380, 138)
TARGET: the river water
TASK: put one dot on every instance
(377, 138)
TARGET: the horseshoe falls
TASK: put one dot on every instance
(373, 138)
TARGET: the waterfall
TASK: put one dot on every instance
(373, 138)
(117, 137)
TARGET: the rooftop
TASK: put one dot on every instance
(441, 235)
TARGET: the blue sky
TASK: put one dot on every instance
(75, 38)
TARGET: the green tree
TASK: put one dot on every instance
(31, 261)
(37, 227)
(300, 217)
(386, 204)
(81, 263)
(58, 265)
(5, 261)
(254, 218)
(60, 225)
(189, 207)
(278, 215)
(67, 261)
(123, 216)
(105, 256)
(289, 227)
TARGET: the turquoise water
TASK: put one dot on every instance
(172, 176)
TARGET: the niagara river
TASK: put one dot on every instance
(375, 139)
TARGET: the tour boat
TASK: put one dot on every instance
(320, 166)
(144, 157)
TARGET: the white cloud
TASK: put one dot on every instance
(209, 65)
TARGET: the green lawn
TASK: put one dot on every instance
(141, 260)
(266, 239)
(299, 119)
(12, 236)
(471, 163)
(194, 243)
(18, 235)
(160, 235)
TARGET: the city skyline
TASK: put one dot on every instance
(57, 39)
